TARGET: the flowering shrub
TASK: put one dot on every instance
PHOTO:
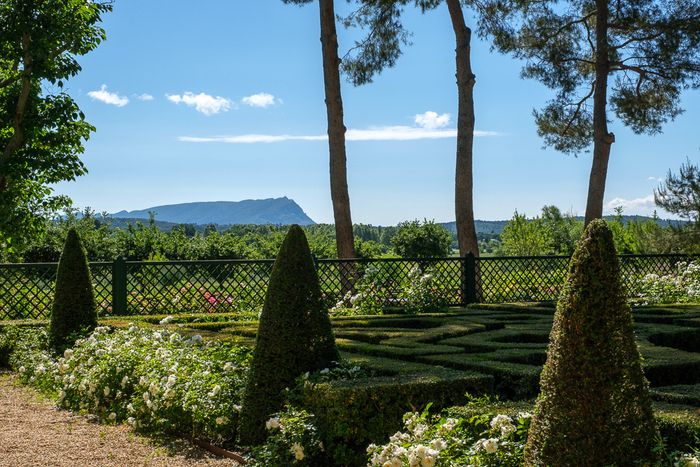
(369, 297)
(421, 293)
(157, 381)
(293, 439)
(679, 286)
(449, 441)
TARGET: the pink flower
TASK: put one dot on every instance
(211, 300)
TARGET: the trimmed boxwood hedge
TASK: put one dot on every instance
(353, 414)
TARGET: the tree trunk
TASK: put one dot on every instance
(17, 139)
(464, 175)
(602, 139)
(344, 239)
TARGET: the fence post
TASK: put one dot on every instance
(469, 279)
(119, 287)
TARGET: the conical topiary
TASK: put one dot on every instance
(74, 309)
(294, 335)
(594, 406)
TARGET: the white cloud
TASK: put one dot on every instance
(387, 133)
(145, 97)
(204, 103)
(655, 179)
(633, 206)
(431, 120)
(261, 100)
(108, 97)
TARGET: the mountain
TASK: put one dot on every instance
(277, 211)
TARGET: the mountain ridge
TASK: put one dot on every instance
(276, 211)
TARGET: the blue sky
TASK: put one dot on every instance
(179, 87)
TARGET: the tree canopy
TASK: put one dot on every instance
(630, 57)
(42, 129)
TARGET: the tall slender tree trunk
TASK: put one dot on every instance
(464, 167)
(336, 132)
(464, 173)
(344, 240)
(602, 138)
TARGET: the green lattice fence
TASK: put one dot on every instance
(26, 290)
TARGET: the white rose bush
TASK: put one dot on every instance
(679, 286)
(293, 439)
(452, 439)
(158, 381)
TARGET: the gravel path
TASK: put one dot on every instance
(34, 433)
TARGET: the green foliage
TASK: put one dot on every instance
(452, 439)
(293, 440)
(294, 335)
(352, 413)
(680, 194)
(593, 375)
(414, 239)
(42, 129)
(557, 40)
(679, 286)
(521, 237)
(188, 388)
(418, 292)
(74, 309)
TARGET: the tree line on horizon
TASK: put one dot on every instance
(627, 59)
(550, 233)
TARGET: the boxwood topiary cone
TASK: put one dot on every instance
(74, 308)
(594, 406)
(294, 335)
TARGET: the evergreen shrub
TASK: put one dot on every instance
(74, 308)
(594, 407)
(294, 335)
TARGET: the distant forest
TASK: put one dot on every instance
(106, 238)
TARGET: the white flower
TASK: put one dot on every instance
(113, 416)
(489, 445)
(105, 391)
(221, 420)
(146, 396)
(131, 421)
(298, 451)
(272, 423)
(237, 408)
(503, 423)
(171, 380)
(325, 371)
(68, 354)
(174, 337)
(688, 460)
(22, 369)
(215, 391)
(438, 444)
(130, 407)
(125, 381)
(229, 367)
(166, 320)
